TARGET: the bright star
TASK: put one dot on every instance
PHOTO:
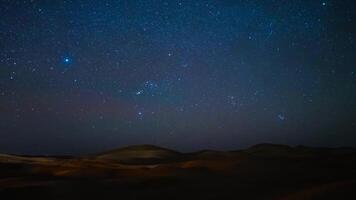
(139, 92)
(66, 60)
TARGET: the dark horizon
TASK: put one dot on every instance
(264, 146)
(92, 150)
(79, 77)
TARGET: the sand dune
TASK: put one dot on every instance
(264, 171)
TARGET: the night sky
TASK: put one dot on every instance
(85, 76)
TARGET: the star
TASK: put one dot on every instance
(67, 60)
(185, 65)
(150, 85)
(281, 117)
(140, 115)
(139, 92)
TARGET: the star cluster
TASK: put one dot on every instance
(82, 76)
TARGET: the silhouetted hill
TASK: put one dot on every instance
(273, 150)
(269, 149)
(140, 154)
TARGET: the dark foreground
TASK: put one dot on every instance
(146, 172)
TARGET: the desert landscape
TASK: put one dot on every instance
(264, 171)
(177, 100)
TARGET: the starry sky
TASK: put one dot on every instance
(85, 76)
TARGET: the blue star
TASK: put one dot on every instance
(67, 60)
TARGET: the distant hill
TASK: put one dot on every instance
(140, 154)
(271, 150)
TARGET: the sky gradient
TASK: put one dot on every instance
(85, 76)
